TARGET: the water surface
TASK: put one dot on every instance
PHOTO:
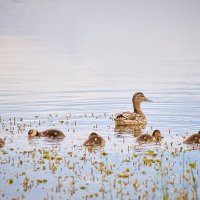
(84, 61)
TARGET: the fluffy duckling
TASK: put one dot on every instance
(52, 133)
(2, 143)
(146, 138)
(193, 139)
(135, 118)
(94, 140)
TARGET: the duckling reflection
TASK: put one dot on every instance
(52, 133)
(146, 138)
(193, 139)
(133, 118)
(2, 143)
(94, 140)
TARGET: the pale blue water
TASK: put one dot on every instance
(73, 57)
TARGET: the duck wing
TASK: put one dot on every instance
(145, 138)
(126, 116)
(130, 119)
(94, 141)
(53, 133)
(193, 139)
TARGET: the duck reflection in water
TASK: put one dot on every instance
(136, 131)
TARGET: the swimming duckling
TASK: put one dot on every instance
(94, 140)
(2, 143)
(146, 138)
(52, 133)
(193, 139)
(135, 118)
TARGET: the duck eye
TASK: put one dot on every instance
(141, 95)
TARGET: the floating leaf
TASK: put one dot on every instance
(11, 181)
(193, 165)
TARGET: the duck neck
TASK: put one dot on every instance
(137, 108)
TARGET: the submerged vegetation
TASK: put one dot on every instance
(64, 169)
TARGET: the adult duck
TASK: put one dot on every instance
(135, 118)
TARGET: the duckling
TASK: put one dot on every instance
(193, 139)
(135, 118)
(94, 140)
(52, 133)
(2, 143)
(146, 138)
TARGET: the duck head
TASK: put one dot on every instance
(157, 135)
(94, 140)
(93, 134)
(95, 137)
(137, 99)
(33, 133)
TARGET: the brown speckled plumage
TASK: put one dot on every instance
(52, 133)
(2, 143)
(94, 140)
(146, 138)
(133, 118)
(193, 139)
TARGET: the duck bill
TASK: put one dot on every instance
(148, 100)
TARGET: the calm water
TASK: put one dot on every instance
(75, 58)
